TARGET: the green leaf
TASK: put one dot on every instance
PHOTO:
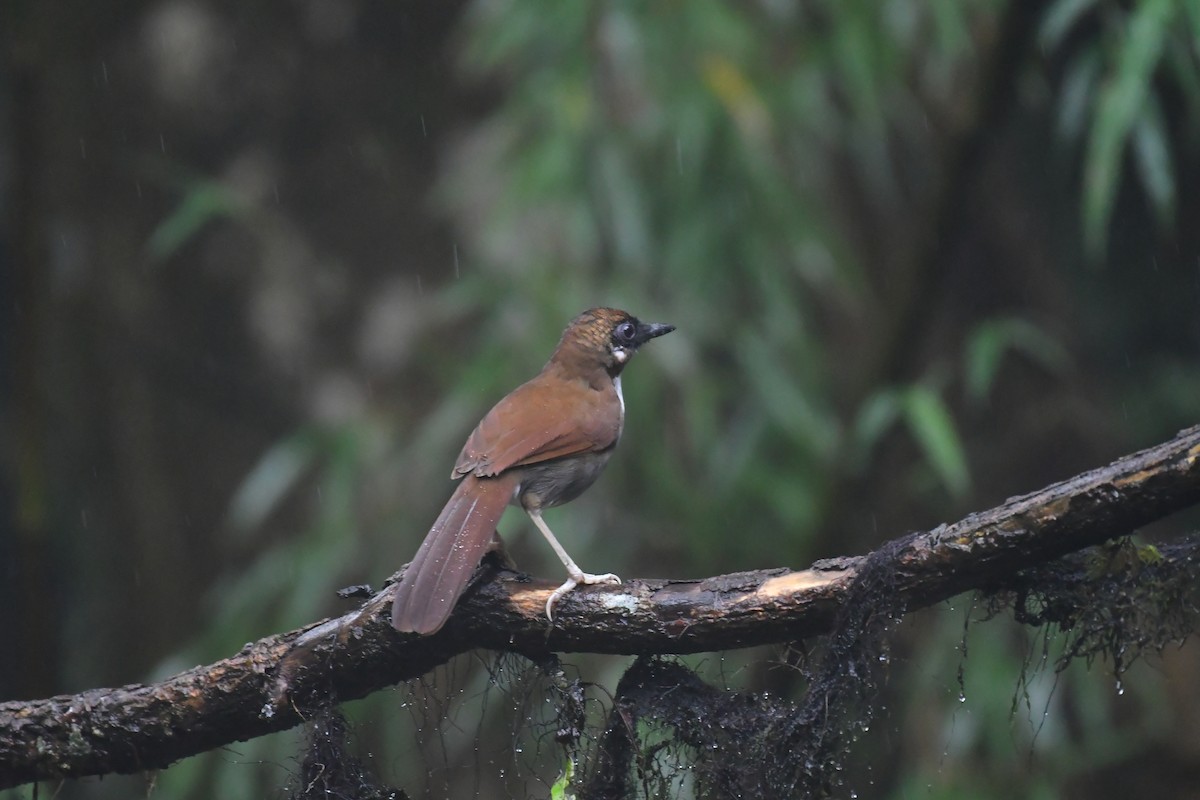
(1059, 19)
(271, 478)
(1152, 156)
(204, 202)
(876, 417)
(991, 340)
(932, 427)
(561, 790)
(1121, 101)
(1078, 93)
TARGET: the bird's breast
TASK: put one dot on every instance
(552, 483)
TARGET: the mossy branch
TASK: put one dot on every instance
(272, 684)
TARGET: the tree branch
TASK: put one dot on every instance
(268, 685)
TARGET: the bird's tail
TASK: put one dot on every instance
(442, 568)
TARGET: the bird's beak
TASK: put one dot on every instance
(652, 330)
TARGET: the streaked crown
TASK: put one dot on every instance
(607, 336)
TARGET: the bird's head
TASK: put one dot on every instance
(605, 337)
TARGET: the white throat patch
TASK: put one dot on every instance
(620, 354)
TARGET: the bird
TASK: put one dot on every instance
(541, 446)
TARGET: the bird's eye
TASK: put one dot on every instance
(626, 331)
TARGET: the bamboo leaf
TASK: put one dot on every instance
(933, 428)
(204, 202)
(993, 339)
(1152, 156)
(1121, 101)
(1059, 19)
(271, 478)
(877, 415)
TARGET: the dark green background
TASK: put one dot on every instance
(263, 265)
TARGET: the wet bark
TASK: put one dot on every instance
(273, 683)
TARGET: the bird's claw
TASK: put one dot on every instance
(585, 578)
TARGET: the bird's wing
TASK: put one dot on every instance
(539, 421)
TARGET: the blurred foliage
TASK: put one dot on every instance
(202, 202)
(993, 339)
(680, 157)
(768, 177)
(687, 162)
(695, 158)
(928, 421)
(1114, 96)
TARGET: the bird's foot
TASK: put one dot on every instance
(585, 578)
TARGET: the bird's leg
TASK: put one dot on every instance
(577, 576)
